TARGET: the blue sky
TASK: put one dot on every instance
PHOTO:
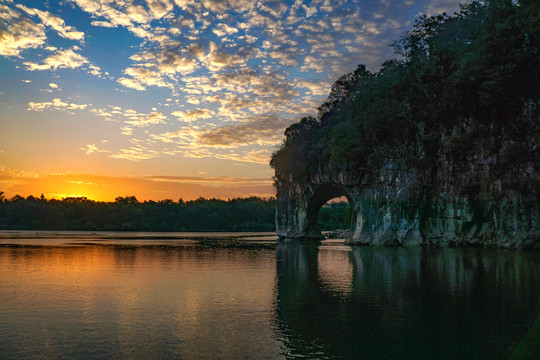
(176, 88)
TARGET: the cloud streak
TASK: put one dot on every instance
(55, 104)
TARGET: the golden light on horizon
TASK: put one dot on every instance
(107, 188)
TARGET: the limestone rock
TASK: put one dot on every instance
(388, 210)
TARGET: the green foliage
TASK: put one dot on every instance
(128, 214)
(298, 139)
(461, 87)
(335, 216)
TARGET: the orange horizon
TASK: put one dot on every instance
(108, 188)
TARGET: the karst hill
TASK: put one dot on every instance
(440, 146)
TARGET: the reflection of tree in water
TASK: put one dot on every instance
(406, 303)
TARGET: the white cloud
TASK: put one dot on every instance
(68, 32)
(126, 130)
(264, 130)
(95, 70)
(152, 119)
(92, 148)
(261, 156)
(137, 13)
(102, 24)
(159, 8)
(131, 83)
(316, 88)
(169, 61)
(129, 116)
(224, 29)
(63, 59)
(193, 115)
(18, 33)
(135, 153)
(220, 6)
(261, 131)
(310, 11)
(217, 59)
(56, 104)
(141, 77)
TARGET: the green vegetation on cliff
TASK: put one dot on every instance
(463, 92)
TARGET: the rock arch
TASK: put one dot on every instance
(321, 195)
(387, 210)
(380, 210)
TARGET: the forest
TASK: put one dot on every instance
(462, 88)
(128, 214)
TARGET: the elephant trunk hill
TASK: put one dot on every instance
(440, 146)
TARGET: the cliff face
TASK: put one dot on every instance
(391, 208)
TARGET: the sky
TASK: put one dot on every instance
(169, 99)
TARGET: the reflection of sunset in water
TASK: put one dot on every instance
(336, 269)
(192, 299)
(139, 298)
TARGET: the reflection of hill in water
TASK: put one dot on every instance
(405, 302)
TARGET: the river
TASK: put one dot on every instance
(244, 296)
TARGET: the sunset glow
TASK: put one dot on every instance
(172, 98)
(107, 188)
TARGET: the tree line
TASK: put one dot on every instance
(129, 214)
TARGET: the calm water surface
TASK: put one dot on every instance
(242, 296)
